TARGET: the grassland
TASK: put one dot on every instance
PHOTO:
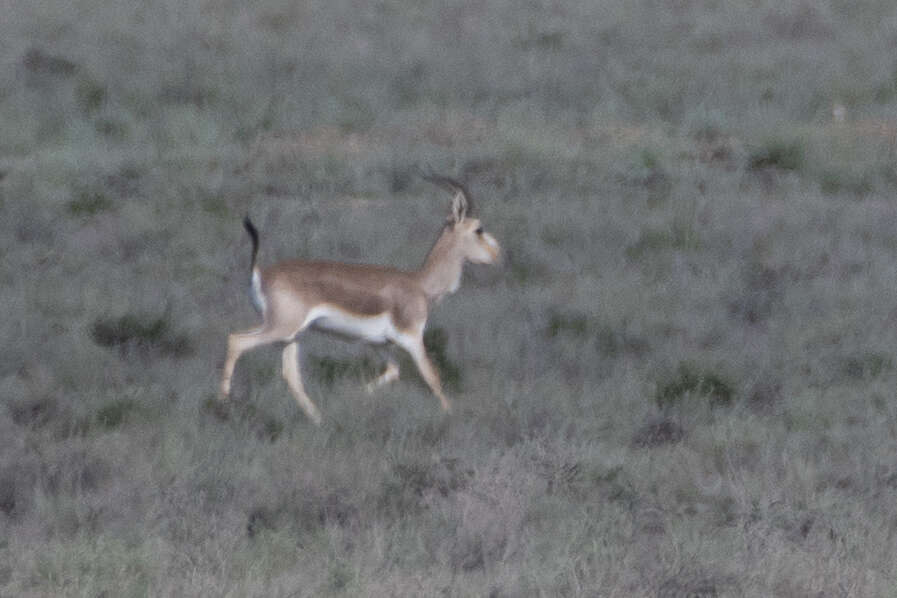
(680, 383)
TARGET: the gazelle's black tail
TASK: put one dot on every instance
(254, 234)
(255, 280)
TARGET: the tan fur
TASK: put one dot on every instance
(361, 289)
(373, 302)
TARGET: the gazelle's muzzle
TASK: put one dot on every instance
(493, 248)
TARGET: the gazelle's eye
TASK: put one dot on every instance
(479, 231)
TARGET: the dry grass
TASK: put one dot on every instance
(681, 383)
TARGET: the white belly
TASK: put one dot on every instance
(373, 329)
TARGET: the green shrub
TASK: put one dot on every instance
(658, 432)
(341, 576)
(264, 425)
(784, 154)
(329, 370)
(690, 381)
(35, 411)
(568, 324)
(867, 365)
(834, 181)
(410, 483)
(261, 519)
(218, 409)
(128, 328)
(89, 203)
(647, 171)
(111, 129)
(541, 40)
(91, 95)
(142, 332)
(115, 413)
(38, 61)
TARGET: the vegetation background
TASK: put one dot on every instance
(680, 383)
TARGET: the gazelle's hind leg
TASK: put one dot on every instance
(237, 344)
(294, 380)
(415, 347)
(390, 374)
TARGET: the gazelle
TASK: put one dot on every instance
(373, 303)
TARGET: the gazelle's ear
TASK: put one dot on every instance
(459, 207)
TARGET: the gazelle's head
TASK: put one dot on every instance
(464, 234)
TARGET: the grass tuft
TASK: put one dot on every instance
(867, 365)
(536, 39)
(573, 324)
(764, 395)
(329, 370)
(38, 61)
(111, 129)
(690, 382)
(340, 577)
(444, 476)
(266, 426)
(782, 154)
(89, 202)
(658, 432)
(144, 333)
(7, 494)
(114, 413)
(833, 181)
(613, 484)
(412, 484)
(91, 95)
(260, 519)
(35, 411)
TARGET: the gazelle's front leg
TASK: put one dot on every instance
(415, 347)
(294, 381)
(390, 374)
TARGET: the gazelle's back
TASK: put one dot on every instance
(363, 289)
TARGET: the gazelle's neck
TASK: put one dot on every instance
(441, 271)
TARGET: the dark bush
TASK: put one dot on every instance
(259, 520)
(567, 324)
(89, 203)
(39, 62)
(658, 432)
(36, 411)
(406, 489)
(689, 381)
(115, 413)
(141, 332)
(777, 153)
(834, 181)
(328, 370)
(867, 365)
